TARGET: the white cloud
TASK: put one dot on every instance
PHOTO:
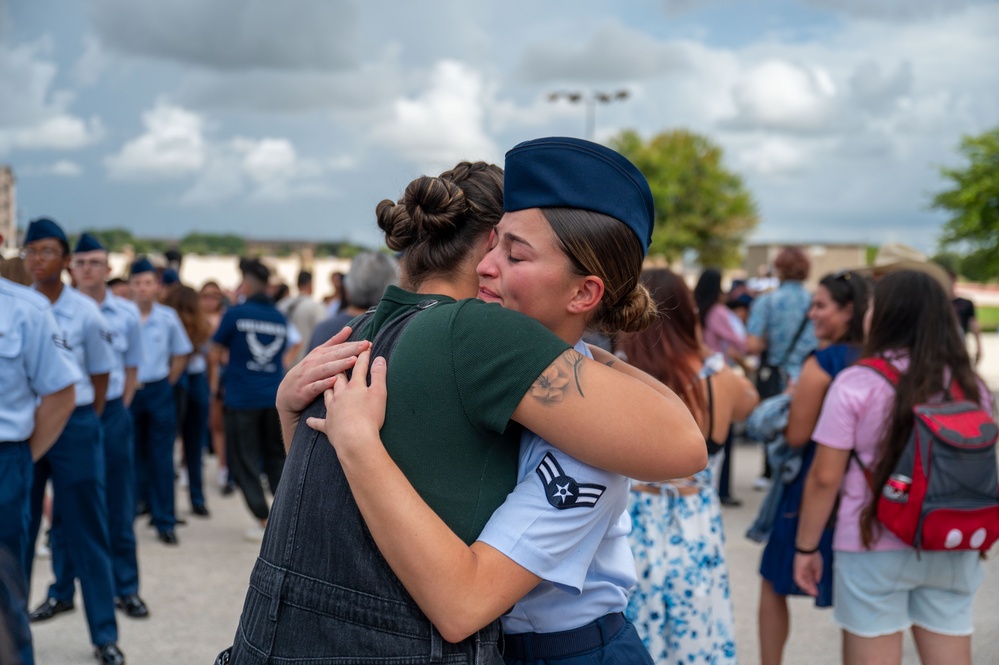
(784, 96)
(33, 116)
(612, 54)
(444, 124)
(232, 34)
(173, 146)
(772, 156)
(892, 10)
(91, 63)
(63, 167)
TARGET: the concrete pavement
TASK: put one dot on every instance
(195, 591)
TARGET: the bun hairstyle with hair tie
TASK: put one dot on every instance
(601, 209)
(440, 218)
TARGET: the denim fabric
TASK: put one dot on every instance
(321, 592)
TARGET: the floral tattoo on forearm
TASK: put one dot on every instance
(554, 383)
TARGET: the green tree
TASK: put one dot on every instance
(114, 240)
(211, 243)
(973, 201)
(700, 205)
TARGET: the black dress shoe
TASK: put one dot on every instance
(132, 605)
(109, 654)
(49, 609)
(167, 537)
(730, 501)
(200, 511)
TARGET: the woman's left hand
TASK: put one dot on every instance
(355, 411)
(808, 572)
(317, 372)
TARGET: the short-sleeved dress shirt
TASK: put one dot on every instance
(775, 317)
(566, 522)
(163, 337)
(34, 360)
(123, 319)
(87, 336)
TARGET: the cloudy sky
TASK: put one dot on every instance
(293, 118)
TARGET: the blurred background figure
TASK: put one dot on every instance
(682, 606)
(191, 393)
(780, 332)
(370, 274)
(213, 304)
(303, 311)
(965, 310)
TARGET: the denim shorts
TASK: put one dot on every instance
(882, 593)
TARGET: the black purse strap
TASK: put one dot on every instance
(794, 340)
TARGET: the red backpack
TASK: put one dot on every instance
(943, 493)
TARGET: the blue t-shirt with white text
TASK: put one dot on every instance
(256, 334)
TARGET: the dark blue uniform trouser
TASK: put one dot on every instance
(16, 473)
(120, 491)
(194, 432)
(155, 416)
(76, 466)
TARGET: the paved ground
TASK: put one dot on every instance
(195, 591)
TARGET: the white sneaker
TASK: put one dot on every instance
(43, 551)
(761, 484)
(254, 535)
(184, 481)
(223, 477)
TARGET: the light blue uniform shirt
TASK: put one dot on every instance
(126, 339)
(34, 361)
(566, 522)
(163, 336)
(88, 337)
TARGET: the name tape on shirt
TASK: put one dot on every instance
(563, 491)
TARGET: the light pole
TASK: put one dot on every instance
(589, 99)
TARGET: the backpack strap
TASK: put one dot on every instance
(882, 367)
(385, 340)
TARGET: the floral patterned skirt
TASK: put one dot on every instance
(682, 605)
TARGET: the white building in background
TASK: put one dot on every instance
(8, 216)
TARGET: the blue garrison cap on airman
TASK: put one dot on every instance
(562, 172)
(88, 243)
(140, 266)
(42, 228)
(169, 276)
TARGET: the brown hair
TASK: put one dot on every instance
(601, 245)
(913, 315)
(440, 219)
(792, 263)
(664, 349)
(185, 300)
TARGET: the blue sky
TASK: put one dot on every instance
(293, 118)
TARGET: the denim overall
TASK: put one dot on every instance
(321, 592)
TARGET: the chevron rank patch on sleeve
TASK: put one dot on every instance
(563, 491)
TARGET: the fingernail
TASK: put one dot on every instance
(378, 361)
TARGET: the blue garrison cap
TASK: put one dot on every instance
(140, 266)
(88, 243)
(561, 172)
(169, 276)
(42, 228)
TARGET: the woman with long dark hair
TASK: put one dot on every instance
(883, 586)
(837, 316)
(682, 604)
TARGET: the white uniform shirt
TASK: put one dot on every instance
(87, 336)
(163, 336)
(34, 360)
(126, 339)
(566, 522)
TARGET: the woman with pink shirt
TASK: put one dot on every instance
(883, 586)
(721, 334)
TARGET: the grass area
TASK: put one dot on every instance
(988, 318)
